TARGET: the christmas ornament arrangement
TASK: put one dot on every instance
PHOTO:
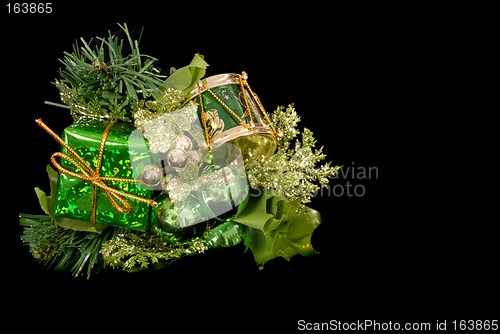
(158, 167)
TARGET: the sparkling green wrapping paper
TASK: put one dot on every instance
(125, 156)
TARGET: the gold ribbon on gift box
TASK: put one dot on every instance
(93, 176)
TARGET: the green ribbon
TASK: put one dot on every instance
(186, 78)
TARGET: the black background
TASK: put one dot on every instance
(371, 82)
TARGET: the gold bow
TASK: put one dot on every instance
(92, 176)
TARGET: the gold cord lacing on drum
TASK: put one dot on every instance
(244, 84)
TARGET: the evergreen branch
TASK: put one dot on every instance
(87, 51)
(57, 104)
(65, 249)
(108, 76)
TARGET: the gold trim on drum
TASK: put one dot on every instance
(259, 141)
(212, 82)
(236, 132)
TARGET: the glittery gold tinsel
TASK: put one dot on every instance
(78, 106)
(161, 130)
(294, 169)
(171, 100)
(133, 252)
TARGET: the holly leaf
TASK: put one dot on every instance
(254, 214)
(47, 201)
(278, 227)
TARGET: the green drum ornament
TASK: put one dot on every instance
(231, 112)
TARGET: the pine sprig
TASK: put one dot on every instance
(64, 249)
(104, 81)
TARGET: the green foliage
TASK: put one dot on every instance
(104, 81)
(64, 249)
(278, 227)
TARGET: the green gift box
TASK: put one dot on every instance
(110, 192)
